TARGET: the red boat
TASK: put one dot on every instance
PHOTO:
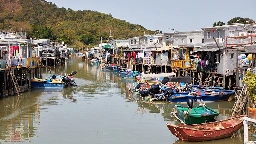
(207, 131)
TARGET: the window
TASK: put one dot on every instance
(151, 40)
(232, 55)
(218, 34)
(167, 37)
(217, 58)
(208, 35)
(182, 40)
(202, 40)
(131, 41)
(190, 40)
(231, 33)
(135, 41)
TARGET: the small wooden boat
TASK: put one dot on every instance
(196, 115)
(207, 131)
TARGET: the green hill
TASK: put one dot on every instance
(42, 19)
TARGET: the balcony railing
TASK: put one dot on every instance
(32, 62)
(25, 62)
(147, 60)
(240, 40)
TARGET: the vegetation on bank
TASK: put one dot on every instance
(250, 81)
(235, 20)
(42, 19)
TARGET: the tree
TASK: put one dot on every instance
(219, 23)
(240, 20)
(42, 32)
(250, 81)
(78, 44)
(87, 39)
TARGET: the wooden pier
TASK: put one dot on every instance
(17, 78)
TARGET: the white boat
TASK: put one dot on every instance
(160, 75)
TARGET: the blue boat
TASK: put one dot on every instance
(45, 83)
(215, 95)
(54, 81)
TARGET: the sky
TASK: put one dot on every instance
(164, 15)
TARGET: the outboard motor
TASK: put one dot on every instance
(168, 92)
(71, 79)
(154, 89)
(65, 79)
(190, 103)
(144, 93)
(165, 80)
(72, 82)
(73, 73)
(138, 86)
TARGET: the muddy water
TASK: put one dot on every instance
(98, 111)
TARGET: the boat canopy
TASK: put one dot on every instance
(161, 75)
(186, 79)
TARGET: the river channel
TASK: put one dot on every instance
(98, 111)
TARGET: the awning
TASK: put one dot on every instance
(186, 79)
(206, 49)
(107, 46)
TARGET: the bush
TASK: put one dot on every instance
(250, 81)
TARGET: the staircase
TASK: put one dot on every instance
(16, 85)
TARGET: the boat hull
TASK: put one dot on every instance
(184, 97)
(47, 85)
(208, 131)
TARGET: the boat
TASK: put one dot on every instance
(207, 131)
(205, 95)
(54, 81)
(47, 83)
(196, 115)
(129, 74)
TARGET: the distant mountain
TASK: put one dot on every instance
(42, 19)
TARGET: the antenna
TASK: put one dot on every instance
(110, 33)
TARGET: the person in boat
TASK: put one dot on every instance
(177, 89)
(53, 77)
(190, 103)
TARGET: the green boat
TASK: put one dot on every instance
(196, 115)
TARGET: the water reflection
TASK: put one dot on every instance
(19, 117)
